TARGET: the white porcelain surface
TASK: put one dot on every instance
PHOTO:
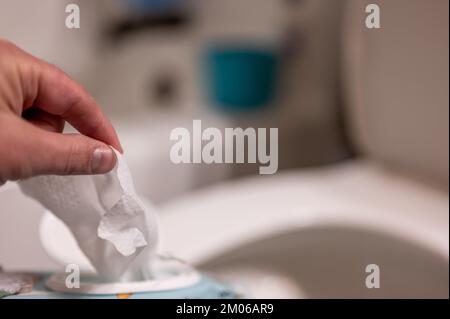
(320, 228)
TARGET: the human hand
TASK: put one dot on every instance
(36, 99)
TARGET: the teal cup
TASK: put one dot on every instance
(240, 77)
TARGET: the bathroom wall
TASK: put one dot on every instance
(307, 110)
(307, 105)
(122, 75)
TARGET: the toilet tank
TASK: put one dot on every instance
(397, 81)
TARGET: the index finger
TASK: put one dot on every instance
(58, 94)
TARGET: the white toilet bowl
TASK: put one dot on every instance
(313, 233)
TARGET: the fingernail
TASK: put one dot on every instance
(103, 160)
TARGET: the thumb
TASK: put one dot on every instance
(48, 152)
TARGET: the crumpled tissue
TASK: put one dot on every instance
(111, 225)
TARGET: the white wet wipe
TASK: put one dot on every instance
(111, 225)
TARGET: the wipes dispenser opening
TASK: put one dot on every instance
(164, 277)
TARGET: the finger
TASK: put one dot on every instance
(59, 95)
(44, 120)
(47, 152)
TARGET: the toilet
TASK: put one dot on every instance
(311, 233)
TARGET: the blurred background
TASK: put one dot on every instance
(160, 62)
(362, 116)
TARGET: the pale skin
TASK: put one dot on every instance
(36, 99)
